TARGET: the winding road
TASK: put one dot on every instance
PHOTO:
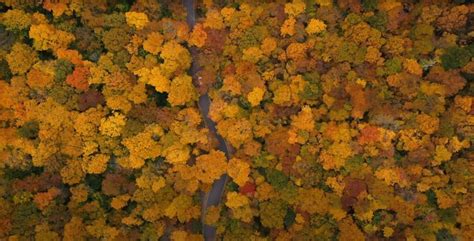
(214, 196)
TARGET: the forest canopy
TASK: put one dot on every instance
(327, 120)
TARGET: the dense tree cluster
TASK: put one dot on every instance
(344, 120)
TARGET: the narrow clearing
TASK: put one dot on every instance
(213, 197)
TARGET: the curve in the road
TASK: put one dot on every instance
(214, 196)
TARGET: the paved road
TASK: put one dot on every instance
(215, 195)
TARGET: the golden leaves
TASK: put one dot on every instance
(236, 131)
(153, 43)
(42, 200)
(413, 67)
(182, 90)
(392, 176)
(214, 19)
(295, 7)
(336, 155)
(210, 167)
(181, 207)
(427, 124)
(38, 79)
(198, 36)
(282, 95)
(349, 231)
(143, 146)
(288, 27)
(239, 170)
(304, 120)
(252, 54)
(338, 126)
(120, 201)
(155, 78)
(236, 200)
(359, 100)
(21, 58)
(112, 125)
(296, 51)
(15, 19)
(95, 164)
(313, 201)
(46, 37)
(255, 96)
(137, 19)
(58, 8)
(176, 58)
(441, 155)
(72, 173)
(315, 26)
(268, 45)
(239, 204)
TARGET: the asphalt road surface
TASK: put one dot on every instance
(214, 196)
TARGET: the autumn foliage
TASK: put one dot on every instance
(334, 120)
